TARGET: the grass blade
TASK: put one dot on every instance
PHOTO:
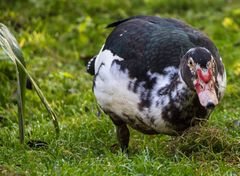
(7, 38)
(10, 46)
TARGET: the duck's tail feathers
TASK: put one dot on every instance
(90, 66)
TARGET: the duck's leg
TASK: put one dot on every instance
(122, 131)
(123, 136)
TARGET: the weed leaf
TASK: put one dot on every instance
(12, 49)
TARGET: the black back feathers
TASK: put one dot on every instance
(153, 43)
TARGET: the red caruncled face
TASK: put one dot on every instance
(205, 86)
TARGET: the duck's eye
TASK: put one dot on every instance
(190, 63)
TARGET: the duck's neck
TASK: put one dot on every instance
(173, 93)
(182, 104)
(180, 94)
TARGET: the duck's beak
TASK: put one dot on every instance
(205, 88)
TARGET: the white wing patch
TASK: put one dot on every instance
(111, 86)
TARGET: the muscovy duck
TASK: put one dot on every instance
(157, 75)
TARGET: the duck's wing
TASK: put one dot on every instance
(147, 44)
(155, 43)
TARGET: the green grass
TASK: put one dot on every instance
(57, 37)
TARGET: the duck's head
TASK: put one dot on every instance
(198, 70)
